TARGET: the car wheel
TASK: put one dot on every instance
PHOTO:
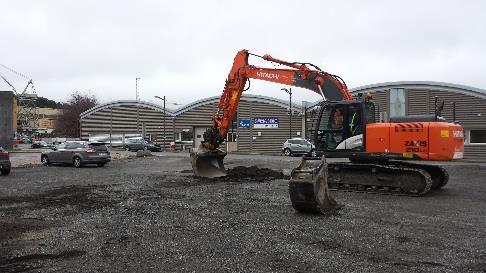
(45, 160)
(5, 171)
(101, 164)
(77, 162)
(287, 152)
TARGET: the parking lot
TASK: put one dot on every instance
(152, 215)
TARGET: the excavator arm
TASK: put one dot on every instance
(329, 86)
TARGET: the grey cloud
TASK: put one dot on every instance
(184, 50)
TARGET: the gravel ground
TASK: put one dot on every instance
(152, 215)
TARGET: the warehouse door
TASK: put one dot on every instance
(198, 135)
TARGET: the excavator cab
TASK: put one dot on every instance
(341, 126)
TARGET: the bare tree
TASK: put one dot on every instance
(67, 124)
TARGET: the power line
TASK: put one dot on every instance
(15, 72)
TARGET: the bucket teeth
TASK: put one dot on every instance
(308, 188)
(208, 163)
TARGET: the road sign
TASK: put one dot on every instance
(244, 123)
(265, 122)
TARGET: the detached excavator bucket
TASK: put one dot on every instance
(208, 163)
(308, 188)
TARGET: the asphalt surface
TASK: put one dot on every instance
(152, 215)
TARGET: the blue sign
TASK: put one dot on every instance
(244, 123)
(265, 123)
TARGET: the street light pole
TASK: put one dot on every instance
(174, 103)
(138, 108)
(163, 138)
(289, 91)
(163, 142)
(136, 88)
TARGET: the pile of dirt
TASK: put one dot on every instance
(253, 173)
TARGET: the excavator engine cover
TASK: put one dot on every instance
(208, 163)
(308, 188)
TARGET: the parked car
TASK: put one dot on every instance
(140, 144)
(298, 146)
(4, 162)
(78, 154)
(40, 144)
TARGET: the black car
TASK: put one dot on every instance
(140, 144)
(4, 162)
(40, 144)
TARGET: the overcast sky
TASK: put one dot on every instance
(184, 49)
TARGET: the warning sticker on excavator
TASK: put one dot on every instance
(444, 133)
(407, 155)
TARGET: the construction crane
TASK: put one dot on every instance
(27, 117)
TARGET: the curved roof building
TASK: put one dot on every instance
(188, 122)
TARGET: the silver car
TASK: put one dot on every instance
(78, 154)
(298, 146)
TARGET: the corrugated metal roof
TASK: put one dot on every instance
(185, 108)
(246, 97)
(125, 103)
(429, 85)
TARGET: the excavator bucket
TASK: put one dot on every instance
(208, 163)
(308, 188)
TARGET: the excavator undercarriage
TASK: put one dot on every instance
(394, 177)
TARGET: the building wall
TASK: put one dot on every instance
(7, 118)
(47, 117)
(198, 116)
(269, 141)
(266, 140)
(122, 119)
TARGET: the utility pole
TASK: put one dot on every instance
(289, 91)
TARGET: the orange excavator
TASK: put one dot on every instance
(380, 154)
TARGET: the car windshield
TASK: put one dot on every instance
(98, 147)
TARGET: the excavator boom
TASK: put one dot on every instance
(329, 86)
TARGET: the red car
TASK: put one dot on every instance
(4, 162)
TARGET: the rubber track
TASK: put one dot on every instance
(436, 172)
(379, 189)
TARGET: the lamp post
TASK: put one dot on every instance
(163, 139)
(138, 108)
(164, 99)
(289, 91)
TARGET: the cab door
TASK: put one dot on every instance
(331, 128)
